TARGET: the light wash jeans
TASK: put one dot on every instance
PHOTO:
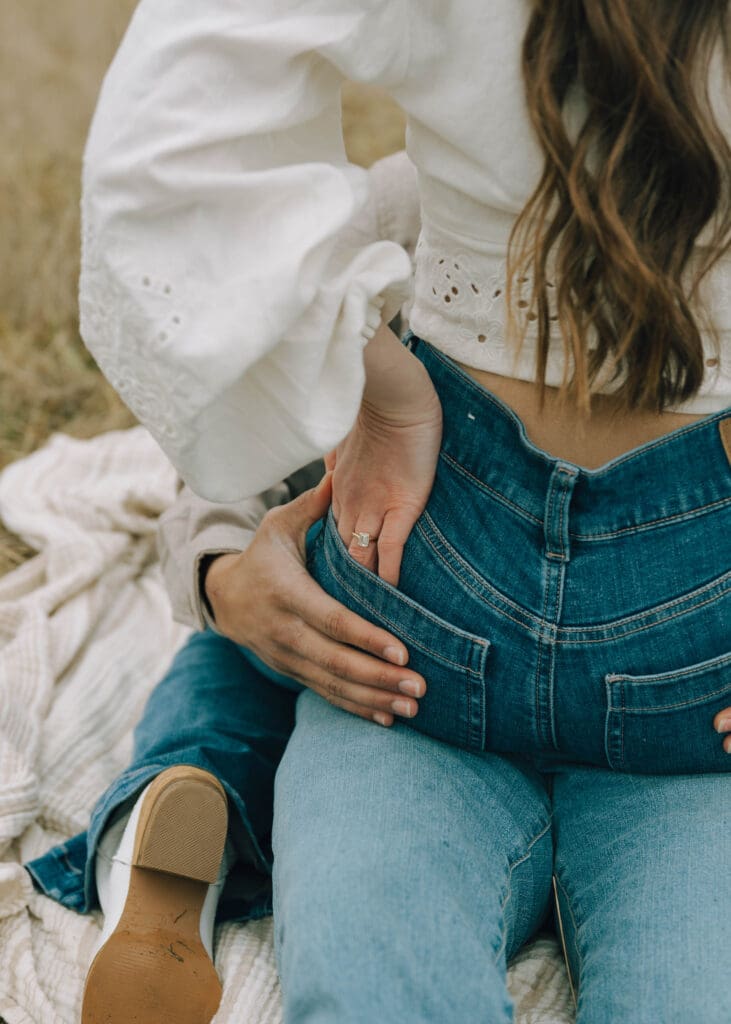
(573, 629)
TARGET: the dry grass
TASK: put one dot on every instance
(53, 56)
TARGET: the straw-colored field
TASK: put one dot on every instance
(53, 56)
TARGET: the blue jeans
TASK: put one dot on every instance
(217, 709)
(412, 862)
(573, 630)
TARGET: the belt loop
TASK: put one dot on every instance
(556, 518)
(724, 428)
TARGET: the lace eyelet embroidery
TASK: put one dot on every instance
(162, 398)
(462, 297)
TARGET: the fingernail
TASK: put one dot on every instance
(396, 655)
(727, 744)
(403, 707)
(724, 725)
(410, 687)
(381, 718)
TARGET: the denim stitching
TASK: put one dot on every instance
(668, 707)
(564, 509)
(489, 490)
(664, 606)
(484, 583)
(650, 524)
(556, 614)
(539, 660)
(512, 865)
(399, 595)
(706, 666)
(654, 523)
(468, 638)
(547, 521)
(639, 629)
(534, 622)
(627, 457)
(565, 634)
(561, 512)
(640, 527)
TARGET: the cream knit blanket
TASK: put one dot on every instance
(85, 633)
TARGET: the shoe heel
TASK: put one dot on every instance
(154, 968)
(183, 825)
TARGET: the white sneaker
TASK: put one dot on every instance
(160, 872)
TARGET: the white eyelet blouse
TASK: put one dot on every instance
(224, 290)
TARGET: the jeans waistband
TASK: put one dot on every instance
(682, 473)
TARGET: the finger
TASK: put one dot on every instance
(727, 744)
(722, 721)
(394, 533)
(307, 508)
(339, 661)
(379, 717)
(330, 460)
(338, 690)
(323, 613)
(365, 555)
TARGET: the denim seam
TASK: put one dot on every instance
(512, 865)
(664, 606)
(588, 537)
(627, 457)
(372, 578)
(564, 634)
(653, 523)
(552, 665)
(668, 707)
(489, 490)
(473, 575)
(577, 947)
(661, 677)
(466, 638)
(548, 522)
(566, 500)
(539, 661)
(639, 629)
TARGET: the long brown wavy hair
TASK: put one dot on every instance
(617, 212)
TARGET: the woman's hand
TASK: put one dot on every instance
(264, 599)
(722, 723)
(383, 471)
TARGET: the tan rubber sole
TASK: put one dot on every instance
(154, 969)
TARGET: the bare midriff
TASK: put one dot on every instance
(565, 433)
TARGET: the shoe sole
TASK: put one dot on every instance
(154, 968)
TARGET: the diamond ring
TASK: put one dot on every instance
(362, 539)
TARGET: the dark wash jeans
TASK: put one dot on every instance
(573, 629)
(556, 612)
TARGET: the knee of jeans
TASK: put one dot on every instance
(645, 999)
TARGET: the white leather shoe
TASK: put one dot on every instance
(160, 871)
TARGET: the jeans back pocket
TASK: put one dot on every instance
(663, 723)
(451, 660)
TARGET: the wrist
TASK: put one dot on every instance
(212, 570)
(397, 383)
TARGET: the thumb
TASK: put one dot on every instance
(311, 505)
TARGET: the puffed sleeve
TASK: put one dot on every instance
(221, 292)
